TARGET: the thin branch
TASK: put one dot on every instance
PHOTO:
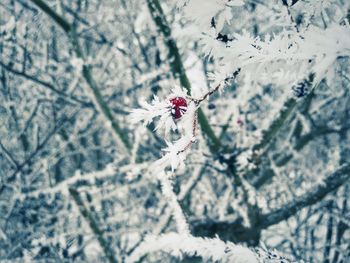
(341, 226)
(288, 108)
(45, 84)
(234, 230)
(270, 134)
(9, 155)
(300, 143)
(208, 94)
(42, 145)
(63, 23)
(285, 3)
(93, 225)
(329, 235)
(277, 124)
(178, 69)
(329, 184)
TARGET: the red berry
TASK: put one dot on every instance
(178, 107)
(240, 122)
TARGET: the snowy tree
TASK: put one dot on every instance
(174, 131)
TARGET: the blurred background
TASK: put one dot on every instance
(73, 180)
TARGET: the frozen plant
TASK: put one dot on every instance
(236, 149)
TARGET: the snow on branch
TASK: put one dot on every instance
(171, 197)
(208, 249)
(315, 50)
(163, 109)
(210, 9)
(178, 111)
(63, 186)
(283, 58)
